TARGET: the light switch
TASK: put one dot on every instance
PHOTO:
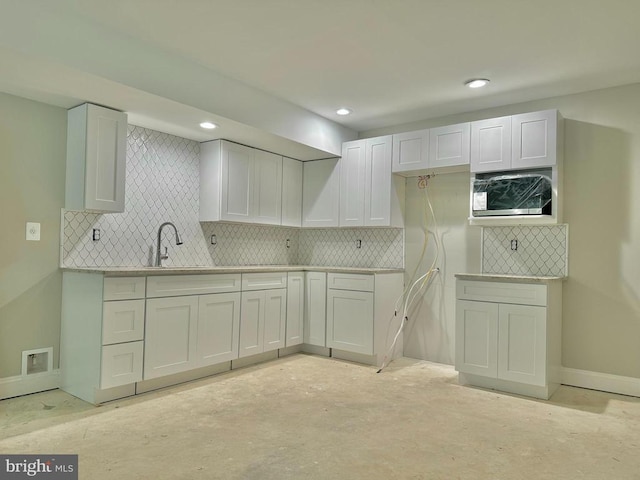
(33, 231)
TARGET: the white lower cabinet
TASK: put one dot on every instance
(101, 338)
(218, 328)
(170, 335)
(262, 321)
(360, 320)
(350, 321)
(508, 336)
(315, 309)
(295, 309)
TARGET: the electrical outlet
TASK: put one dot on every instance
(358, 243)
(288, 243)
(96, 235)
(214, 240)
(514, 244)
(33, 231)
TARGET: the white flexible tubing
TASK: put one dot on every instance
(410, 298)
(415, 270)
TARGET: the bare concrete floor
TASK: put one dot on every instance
(307, 417)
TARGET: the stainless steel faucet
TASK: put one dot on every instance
(165, 255)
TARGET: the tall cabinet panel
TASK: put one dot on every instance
(379, 186)
(291, 192)
(295, 309)
(237, 182)
(267, 188)
(315, 308)
(96, 159)
(352, 184)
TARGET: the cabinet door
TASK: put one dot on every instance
(315, 308)
(477, 338)
(534, 139)
(291, 192)
(251, 323)
(295, 309)
(237, 182)
(320, 193)
(267, 188)
(170, 335)
(410, 151)
(378, 186)
(350, 321)
(449, 146)
(491, 145)
(121, 364)
(522, 344)
(275, 317)
(352, 184)
(218, 328)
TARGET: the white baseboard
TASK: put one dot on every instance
(24, 385)
(601, 381)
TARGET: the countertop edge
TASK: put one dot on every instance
(494, 277)
(151, 271)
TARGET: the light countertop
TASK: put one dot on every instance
(494, 277)
(194, 270)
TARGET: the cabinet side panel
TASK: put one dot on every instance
(209, 181)
(81, 331)
(76, 148)
(291, 192)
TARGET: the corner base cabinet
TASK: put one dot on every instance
(360, 316)
(508, 335)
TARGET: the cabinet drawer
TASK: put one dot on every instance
(264, 281)
(123, 288)
(350, 281)
(177, 285)
(121, 364)
(122, 321)
(502, 292)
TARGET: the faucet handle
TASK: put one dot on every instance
(165, 255)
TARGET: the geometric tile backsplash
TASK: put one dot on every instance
(541, 251)
(379, 247)
(162, 184)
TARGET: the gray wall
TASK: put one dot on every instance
(601, 311)
(32, 174)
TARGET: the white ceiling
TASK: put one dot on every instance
(274, 69)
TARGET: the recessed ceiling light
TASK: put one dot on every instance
(476, 82)
(343, 111)
(208, 125)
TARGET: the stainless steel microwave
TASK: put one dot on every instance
(512, 193)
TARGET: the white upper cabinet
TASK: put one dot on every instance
(410, 151)
(96, 159)
(491, 144)
(352, 183)
(320, 193)
(291, 192)
(529, 140)
(239, 184)
(369, 194)
(449, 145)
(267, 188)
(534, 139)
